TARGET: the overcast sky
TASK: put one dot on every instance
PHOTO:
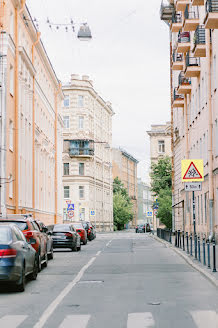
(128, 60)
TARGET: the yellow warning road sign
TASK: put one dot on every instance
(192, 170)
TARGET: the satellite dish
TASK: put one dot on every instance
(84, 33)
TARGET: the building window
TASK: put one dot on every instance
(11, 80)
(11, 135)
(82, 214)
(81, 168)
(161, 146)
(66, 192)
(81, 122)
(80, 101)
(66, 168)
(66, 101)
(81, 192)
(10, 186)
(66, 120)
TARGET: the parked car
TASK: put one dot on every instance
(92, 233)
(30, 229)
(18, 258)
(65, 236)
(81, 231)
(140, 228)
(148, 229)
(49, 241)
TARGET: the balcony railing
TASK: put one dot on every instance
(177, 57)
(184, 37)
(183, 80)
(79, 147)
(191, 14)
(176, 18)
(177, 96)
(192, 61)
(166, 12)
(199, 36)
(81, 152)
(212, 6)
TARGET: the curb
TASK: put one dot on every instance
(206, 274)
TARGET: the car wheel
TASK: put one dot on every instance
(20, 285)
(78, 248)
(34, 274)
(51, 255)
(85, 242)
(46, 260)
(39, 263)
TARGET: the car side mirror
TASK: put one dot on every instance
(44, 229)
(49, 233)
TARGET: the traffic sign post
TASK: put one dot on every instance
(192, 174)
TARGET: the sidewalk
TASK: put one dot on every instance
(199, 266)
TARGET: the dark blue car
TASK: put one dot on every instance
(17, 257)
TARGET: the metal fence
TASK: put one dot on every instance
(164, 234)
(212, 6)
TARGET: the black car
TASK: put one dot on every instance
(17, 257)
(65, 236)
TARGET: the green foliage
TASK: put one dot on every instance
(122, 206)
(161, 186)
(165, 207)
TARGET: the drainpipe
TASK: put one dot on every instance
(187, 156)
(210, 137)
(33, 127)
(16, 101)
(57, 92)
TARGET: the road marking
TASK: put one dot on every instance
(50, 309)
(12, 321)
(109, 243)
(205, 319)
(98, 253)
(75, 321)
(140, 320)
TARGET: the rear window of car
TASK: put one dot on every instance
(21, 225)
(5, 235)
(61, 227)
(78, 226)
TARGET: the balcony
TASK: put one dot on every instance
(211, 19)
(178, 62)
(178, 99)
(176, 25)
(193, 68)
(184, 43)
(181, 4)
(191, 19)
(197, 2)
(199, 49)
(166, 12)
(184, 84)
(81, 148)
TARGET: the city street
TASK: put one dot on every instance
(119, 280)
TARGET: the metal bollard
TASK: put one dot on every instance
(214, 255)
(208, 253)
(191, 244)
(170, 239)
(183, 240)
(175, 238)
(179, 238)
(196, 246)
(199, 249)
(204, 254)
(187, 243)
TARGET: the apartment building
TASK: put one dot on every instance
(87, 161)
(30, 126)
(144, 203)
(193, 25)
(125, 168)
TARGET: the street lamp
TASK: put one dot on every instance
(84, 33)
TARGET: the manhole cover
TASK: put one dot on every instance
(154, 303)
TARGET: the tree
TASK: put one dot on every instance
(161, 186)
(122, 206)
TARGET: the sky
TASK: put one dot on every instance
(127, 59)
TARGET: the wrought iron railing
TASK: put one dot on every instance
(184, 37)
(191, 14)
(81, 151)
(212, 6)
(183, 80)
(177, 57)
(192, 61)
(199, 36)
(177, 96)
(176, 18)
(164, 234)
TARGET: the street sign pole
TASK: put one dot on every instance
(194, 223)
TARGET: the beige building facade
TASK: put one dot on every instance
(195, 113)
(87, 161)
(30, 126)
(125, 168)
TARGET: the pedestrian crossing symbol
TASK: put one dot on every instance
(192, 170)
(70, 207)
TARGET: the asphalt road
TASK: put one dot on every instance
(119, 280)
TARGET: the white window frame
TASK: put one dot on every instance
(161, 146)
(81, 192)
(67, 189)
(66, 120)
(68, 169)
(67, 101)
(83, 169)
(81, 122)
(80, 101)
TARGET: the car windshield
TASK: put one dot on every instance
(5, 235)
(21, 225)
(61, 227)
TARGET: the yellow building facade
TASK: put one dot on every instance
(31, 145)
